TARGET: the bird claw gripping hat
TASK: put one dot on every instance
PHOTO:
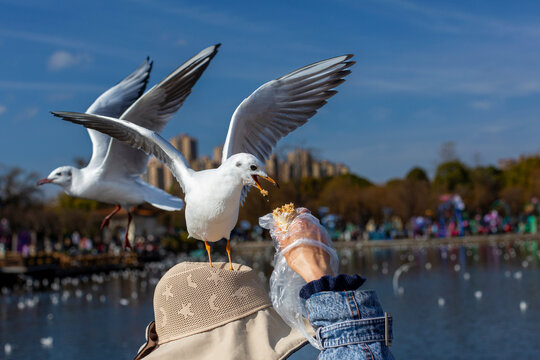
(203, 312)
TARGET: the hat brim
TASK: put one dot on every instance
(261, 335)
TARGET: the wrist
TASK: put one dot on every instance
(312, 274)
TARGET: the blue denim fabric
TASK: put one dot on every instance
(349, 324)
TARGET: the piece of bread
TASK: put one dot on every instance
(283, 216)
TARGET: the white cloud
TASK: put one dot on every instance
(380, 113)
(181, 42)
(481, 105)
(494, 128)
(62, 60)
(466, 79)
(445, 19)
(30, 112)
(3, 109)
(60, 96)
(42, 86)
(205, 15)
(60, 41)
(26, 113)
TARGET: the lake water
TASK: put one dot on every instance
(447, 303)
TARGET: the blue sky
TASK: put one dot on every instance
(427, 72)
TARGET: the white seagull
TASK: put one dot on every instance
(213, 197)
(113, 174)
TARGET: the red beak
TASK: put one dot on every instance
(44, 181)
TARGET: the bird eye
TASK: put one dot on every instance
(58, 174)
(253, 167)
(238, 164)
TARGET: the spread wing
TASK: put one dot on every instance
(137, 137)
(153, 111)
(282, 105)
(114, 102)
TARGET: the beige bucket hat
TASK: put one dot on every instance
(204, 312)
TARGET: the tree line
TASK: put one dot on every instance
(355, 199)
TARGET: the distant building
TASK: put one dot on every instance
(272, 166)
(299, 163)
(187, 146)
(217, 153)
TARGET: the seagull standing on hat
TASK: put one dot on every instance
(213, 197)
(113, 173)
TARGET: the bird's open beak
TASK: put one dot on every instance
(267, 178)
(44, 181)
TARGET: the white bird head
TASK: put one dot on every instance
(249, 169)
(60, 176)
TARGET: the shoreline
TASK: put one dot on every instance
(254, 246)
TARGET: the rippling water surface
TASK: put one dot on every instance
(480, 302)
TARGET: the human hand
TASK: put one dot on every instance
(311, 262)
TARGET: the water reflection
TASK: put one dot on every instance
(456, 292)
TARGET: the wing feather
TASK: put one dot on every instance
(280, 106)
(114, 102)
(153, 111)
(148, 141)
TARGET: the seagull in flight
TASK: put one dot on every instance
(213, 197)
(113, 174)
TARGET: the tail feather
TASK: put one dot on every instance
(161, 199)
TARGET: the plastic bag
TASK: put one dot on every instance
(285, 283)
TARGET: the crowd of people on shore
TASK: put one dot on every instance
(425, 227)
(27, 243)
(449, 223)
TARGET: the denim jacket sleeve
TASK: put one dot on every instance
(350, 324)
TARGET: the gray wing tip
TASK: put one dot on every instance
(73, 117)
(208, 52)
(60, 113)
(337, 63)
(214, 50)
(150, 64)
(348, 64)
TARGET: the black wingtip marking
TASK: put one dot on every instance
(146, 78)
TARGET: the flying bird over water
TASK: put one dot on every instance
(213, 197)
(113, 174)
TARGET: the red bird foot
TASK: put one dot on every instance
(127, 244)
(104, 224)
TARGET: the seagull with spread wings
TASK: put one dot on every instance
(113, 173)
(213, 197)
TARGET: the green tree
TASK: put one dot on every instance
(417, 174)
(451, 176)
(486, 186)
(17, 187)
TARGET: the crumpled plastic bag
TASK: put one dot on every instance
(285, 283)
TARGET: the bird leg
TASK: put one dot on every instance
(108, 217)
(228, 248)
(127, 244)
(208, 249)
